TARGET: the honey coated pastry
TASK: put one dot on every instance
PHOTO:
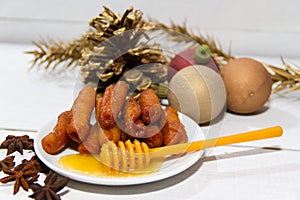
(134, 126)
(153, 137)
(111, 104)
(58, 139)
(112, 134)
(173, 130)
(82, 109)
(91, 144)
(150, 106)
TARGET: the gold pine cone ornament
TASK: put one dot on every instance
(122, 46)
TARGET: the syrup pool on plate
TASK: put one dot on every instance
(90, 165)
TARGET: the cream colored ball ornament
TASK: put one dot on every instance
(198, 92)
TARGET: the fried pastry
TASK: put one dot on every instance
(91, 144)
(150, 106)
(111, 103)
(82, 109)
(57, 140)
(113, 134)
(153, 137)
(173, 130)
(134, 127)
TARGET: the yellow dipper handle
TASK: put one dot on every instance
(266, 133)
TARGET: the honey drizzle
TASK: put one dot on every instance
(90, 165)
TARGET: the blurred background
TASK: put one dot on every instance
(258, 27)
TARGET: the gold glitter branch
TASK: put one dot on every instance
(50, 53)
(287, 78)
(214, 45)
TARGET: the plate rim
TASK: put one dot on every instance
(109, 180)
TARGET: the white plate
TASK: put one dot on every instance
(169, 168)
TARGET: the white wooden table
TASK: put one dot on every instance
(266, 170)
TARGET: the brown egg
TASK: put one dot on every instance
(248, 85)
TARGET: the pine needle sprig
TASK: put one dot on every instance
(50, 53)
(286, 78)
(214, 45)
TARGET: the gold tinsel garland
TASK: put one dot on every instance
(50, 53)
(287, 78)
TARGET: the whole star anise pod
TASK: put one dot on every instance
(23, 174)
(17, 143)
(38, 164)
(7, 163)
(51, 187)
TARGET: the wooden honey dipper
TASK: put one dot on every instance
(130, 156)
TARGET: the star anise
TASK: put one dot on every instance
(7, 163)
(52, 185)
(38, 164)
(17, 143)
(23, 174)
